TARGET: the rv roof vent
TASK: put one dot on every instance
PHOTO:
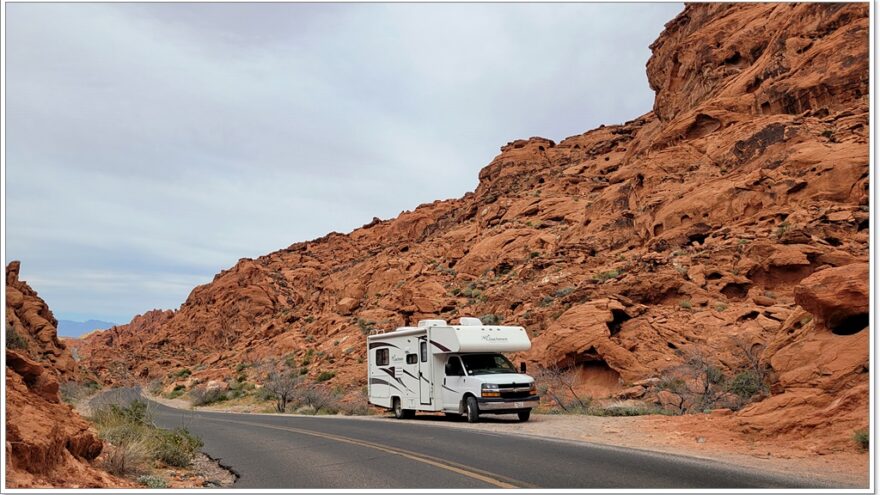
(432, 323)
(468, 321)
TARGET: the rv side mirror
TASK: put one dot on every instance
(522, 366)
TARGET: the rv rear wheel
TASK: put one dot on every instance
(400, 412)
(524, 414)
(473, 410)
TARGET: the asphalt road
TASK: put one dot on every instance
(280, 451)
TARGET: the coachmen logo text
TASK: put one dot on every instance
(489, 338)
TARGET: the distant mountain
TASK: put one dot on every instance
(68, 328)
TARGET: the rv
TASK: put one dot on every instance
(456, 369)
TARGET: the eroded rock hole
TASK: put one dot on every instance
(698, 238)
(734, 59)
(863, 225)
(849, 325)
(618, 318)
(751, 315)
(713, 275)
(736, 291)
(834, 241)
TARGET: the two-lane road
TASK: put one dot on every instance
(279, 451)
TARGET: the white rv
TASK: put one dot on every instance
(457, 369)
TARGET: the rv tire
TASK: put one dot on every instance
(473, 410)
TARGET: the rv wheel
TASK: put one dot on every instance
(524, 414)
(473, 410)
(400, 412)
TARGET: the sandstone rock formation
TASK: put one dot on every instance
(703, 224)
(47, 443)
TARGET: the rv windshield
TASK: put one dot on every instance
(486, 364)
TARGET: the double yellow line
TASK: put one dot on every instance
(483, 476)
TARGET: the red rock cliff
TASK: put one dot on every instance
(47, 443)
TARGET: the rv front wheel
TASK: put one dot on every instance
(473, 410)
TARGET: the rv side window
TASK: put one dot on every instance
(411, 359)
(453, 367)
(381, 357)
(423, 350)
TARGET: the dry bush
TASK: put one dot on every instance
(317, 397)
(129, 457)
(559, 384)
(281, 383)
(201, 396)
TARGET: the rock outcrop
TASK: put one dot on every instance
(47, 443)
(716, 222)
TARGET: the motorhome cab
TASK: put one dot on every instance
(457, 369)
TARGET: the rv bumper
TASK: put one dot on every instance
(499, 405)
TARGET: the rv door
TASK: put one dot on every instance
(453, 383)
(425, 376)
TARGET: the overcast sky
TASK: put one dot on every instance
(151, 145)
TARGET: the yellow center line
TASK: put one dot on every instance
(483, 476)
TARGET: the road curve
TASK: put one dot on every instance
(280, 451)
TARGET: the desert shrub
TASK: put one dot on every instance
(177, 392)
(685, 304)
(129, 457)
(547, 301)
(862, 438)
(325, 375)
(783, 228)
(627, 410)
(366, 326)
(317, 397)
(721, 307)
(14, 340)
(491, 319)
(607, 275)
(281, 384)
(184, 373)
(151, 481)
(135, 440)
(176, 447)
(745, 384)
(564, 292)
(203, 396)
(559, 385)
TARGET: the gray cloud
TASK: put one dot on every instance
(151, 145)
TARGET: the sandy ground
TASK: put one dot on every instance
(693, 435)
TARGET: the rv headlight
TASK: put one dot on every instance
(533, 389)
(490, 390)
